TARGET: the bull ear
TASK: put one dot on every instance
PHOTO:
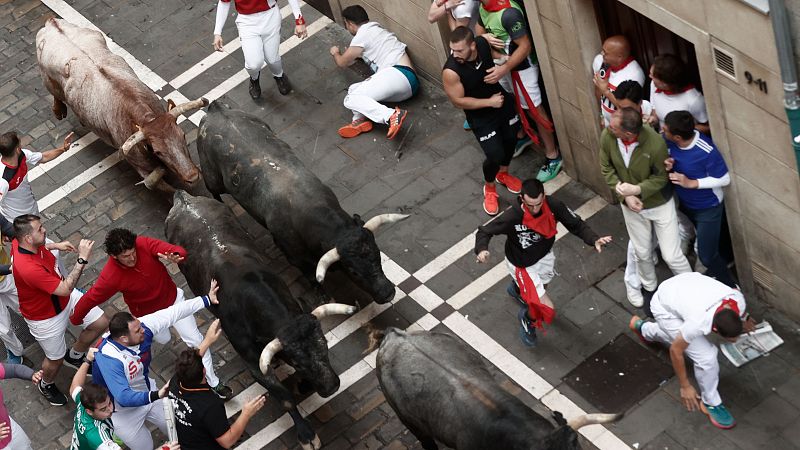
(357, 219)
(170, 105)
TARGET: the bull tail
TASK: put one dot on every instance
(375, 337)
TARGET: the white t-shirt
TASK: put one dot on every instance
(690, 100)
(20, 200)
(631, 71)
(694, 298)
(381, 47)
(468, 9)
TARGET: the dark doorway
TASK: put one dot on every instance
(323, 6)
(648, 39)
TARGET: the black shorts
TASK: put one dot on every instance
(498, 140)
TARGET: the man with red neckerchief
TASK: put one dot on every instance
(530, 229)
(672, 90)
(687, 308)
(611, 67)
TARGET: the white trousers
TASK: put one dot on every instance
(664, 221)
(541, 273)
(530, 79)
(187, 330)
(386, 85)
(19, 440)
(9, 300)
(49, 333)
(701, 351)
(260, 34)
(129, 423)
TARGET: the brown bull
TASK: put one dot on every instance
(104, 92)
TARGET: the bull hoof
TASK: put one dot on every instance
(315, 444)
(60, 115)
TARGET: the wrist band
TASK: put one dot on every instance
(300, 21)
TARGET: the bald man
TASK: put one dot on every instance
(611, 67)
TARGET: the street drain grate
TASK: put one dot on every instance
(619, 375)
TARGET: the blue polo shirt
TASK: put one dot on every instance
(700, 160)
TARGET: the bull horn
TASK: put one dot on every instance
(325, 262)
(591, 419)
(269, 351)
(383, 219)
(183, 107)
(332, 309)
(152, 179)
(133, 140)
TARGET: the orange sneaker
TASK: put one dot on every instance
(355, 128)
(490, 200)
(396, 121)
(512, 183)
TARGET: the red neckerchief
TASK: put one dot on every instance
(496, 5)
(544, 224)
(668, 92)
(538, 311)
(621, 66)
(731, 304)
(629, 143)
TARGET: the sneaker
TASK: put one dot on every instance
(523, 143)
(284, 87)
(52, 394)
(512, 183)
(395, 122)
(513, 291)
(255, 89)
(490, 200)
(466, 126)
(75, 363)
(11, 358)
(634, 296)
(527, 332)
(719, 415)
(636, 326)
(647, 297)
(355, 128)
(549, 170)
(223, 392)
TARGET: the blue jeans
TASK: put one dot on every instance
(708, 225)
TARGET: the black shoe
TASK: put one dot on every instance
(284, 87)
(513, 291)
(648, 296)
(223, 392)
(52, 394)
(255, 89)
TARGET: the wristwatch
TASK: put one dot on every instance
(82, 261)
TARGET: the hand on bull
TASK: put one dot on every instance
(483, 257)
(213, 333)
(171, 257)
(251, 408)
(68, 140)
(218, 42)
(212, 292)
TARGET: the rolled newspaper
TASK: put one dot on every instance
(169, 415)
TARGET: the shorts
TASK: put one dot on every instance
(49, 333)
(530, 79)
(541, 273)
(498, 140)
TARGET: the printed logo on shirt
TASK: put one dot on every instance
(528, 238)
(488, 136)
(516, 27)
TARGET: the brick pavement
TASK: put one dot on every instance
(437, 180)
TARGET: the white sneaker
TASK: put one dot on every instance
(634, 296)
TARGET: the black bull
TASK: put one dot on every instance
(240, 155)
(257, 311)
(441, 391)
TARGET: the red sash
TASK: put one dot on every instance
(544, 224)
(537, 310)
(516, 81)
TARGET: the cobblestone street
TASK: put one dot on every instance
(431, 171)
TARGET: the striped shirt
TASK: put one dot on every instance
(89, 433)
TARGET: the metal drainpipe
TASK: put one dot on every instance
(783, 42)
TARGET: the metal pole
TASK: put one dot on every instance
(783, 42)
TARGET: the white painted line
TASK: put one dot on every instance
(242, 75)
(464, 246)
(426, 297)
(76, 147)
(497, 272)
(216, 57)
(392, 270)
(148, 77)
(78, 181)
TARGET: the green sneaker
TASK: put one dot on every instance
(549, 170)
(719, 416)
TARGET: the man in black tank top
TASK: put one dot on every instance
(489, 109)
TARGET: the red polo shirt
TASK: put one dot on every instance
(36, 279)
(146, 288)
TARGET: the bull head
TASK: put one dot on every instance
(275, 346)
(372, 225)
(168, 142)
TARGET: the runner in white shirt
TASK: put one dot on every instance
(611, 67)
(687, 308)
(394, 79)
(17, 162)
(671, 90)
